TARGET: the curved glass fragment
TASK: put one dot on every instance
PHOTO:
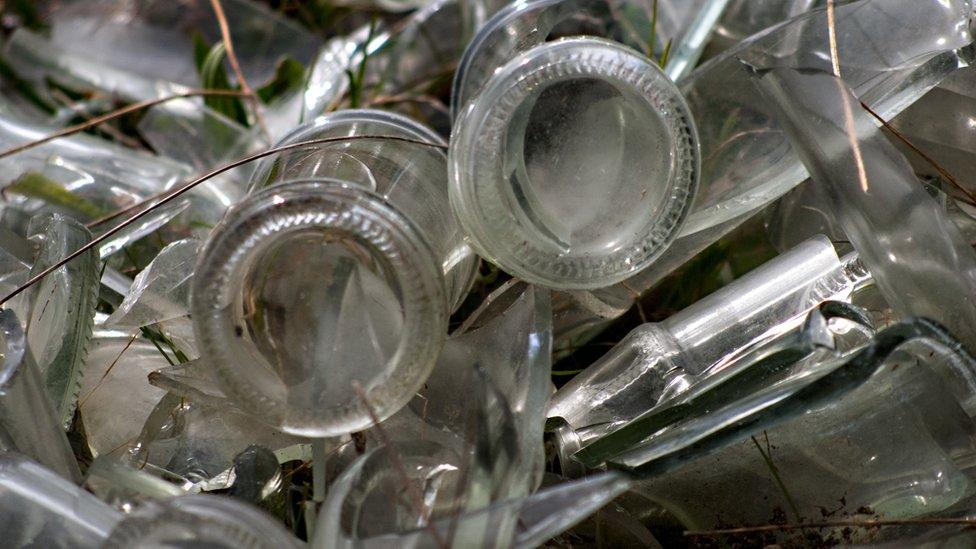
(199, 520)
(362, 509)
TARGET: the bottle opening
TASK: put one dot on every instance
(576, 165)
(315, 302)
(309, 290)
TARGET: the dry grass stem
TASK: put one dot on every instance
(71, 130)
(236, 67)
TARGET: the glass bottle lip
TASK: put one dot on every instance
(280, 211)
(396, 120)
(393, 124)
(478, 141)
(463, 91)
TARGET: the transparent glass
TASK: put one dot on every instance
(197, 440)
(417, 54)
(411, 177)
(743, 18)
(882, 432)
(29, 423)
(308, 288)
(41, 509)
(143, 50)
(218, 522)
(660, 359)
(573, 162)
(117, 365)
(367, 506)
(62, 309)
(103, 176)
(688, 49)
(921, 262)
(951, 142)
(828, 331)
(500, 360)
(890, 53)
(125, 487)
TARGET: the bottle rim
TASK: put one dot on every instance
(281, 211)
(397, 125)
(478, 145)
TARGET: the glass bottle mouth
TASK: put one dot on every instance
(576, 166)
(309, 288)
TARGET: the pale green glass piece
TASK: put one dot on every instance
(62, 310)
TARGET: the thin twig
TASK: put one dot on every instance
(637, 301)
(70, 130)
(832, 524)
(236, 66)
(169, 196)
(108, 371)
(415, 494)
(422, 99)
(111, 131)
(832, 38)
(942, 171)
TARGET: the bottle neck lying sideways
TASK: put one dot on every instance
(661, 359)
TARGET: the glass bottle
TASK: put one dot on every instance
(884, 431)
(747, 160)
(573, 161)
(660, 359)
(411, 176)
(311, 291)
